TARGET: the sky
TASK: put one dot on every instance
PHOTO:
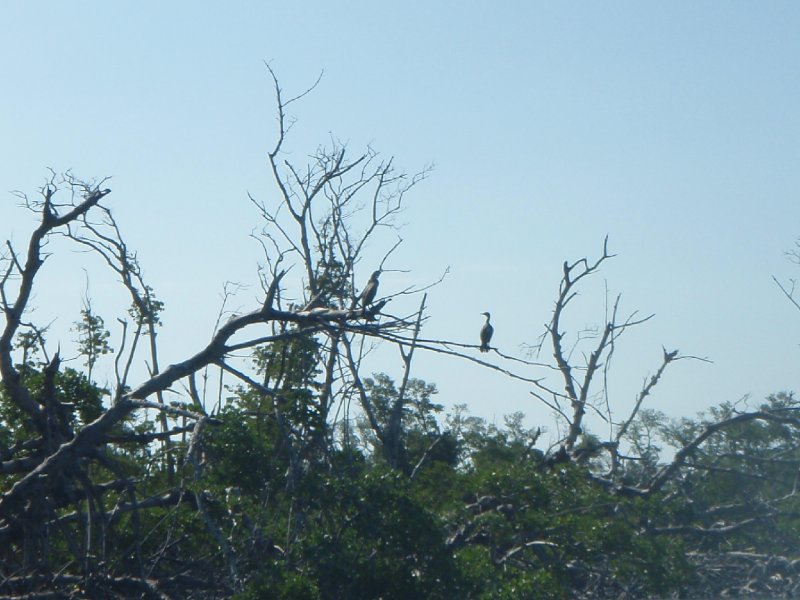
(672, 128)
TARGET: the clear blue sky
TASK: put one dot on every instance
(672, 127)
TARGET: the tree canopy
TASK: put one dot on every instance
(303, 475)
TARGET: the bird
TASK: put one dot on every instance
(370, 290)
(486, 333)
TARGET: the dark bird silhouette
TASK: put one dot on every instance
(370, 290)
(373, 311)
(486, 333)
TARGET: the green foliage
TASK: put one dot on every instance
(30, 342)
(746, 470)
(292, 363)
(147, 311)
(476, 512)
(92, 337)
(280, 586)
(643, 435)
(372, 539)
(484, 516)
(73, 391)
(333, 283)
(243, 452)
(420, 435)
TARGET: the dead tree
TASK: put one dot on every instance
(709, 447)
(584, 384)
(67, 485)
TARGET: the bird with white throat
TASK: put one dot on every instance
(486, 333)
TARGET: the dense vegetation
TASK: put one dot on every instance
(302, 475)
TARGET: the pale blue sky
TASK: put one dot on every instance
(672, 127)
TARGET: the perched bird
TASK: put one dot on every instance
(486, 333)
(370, 290)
